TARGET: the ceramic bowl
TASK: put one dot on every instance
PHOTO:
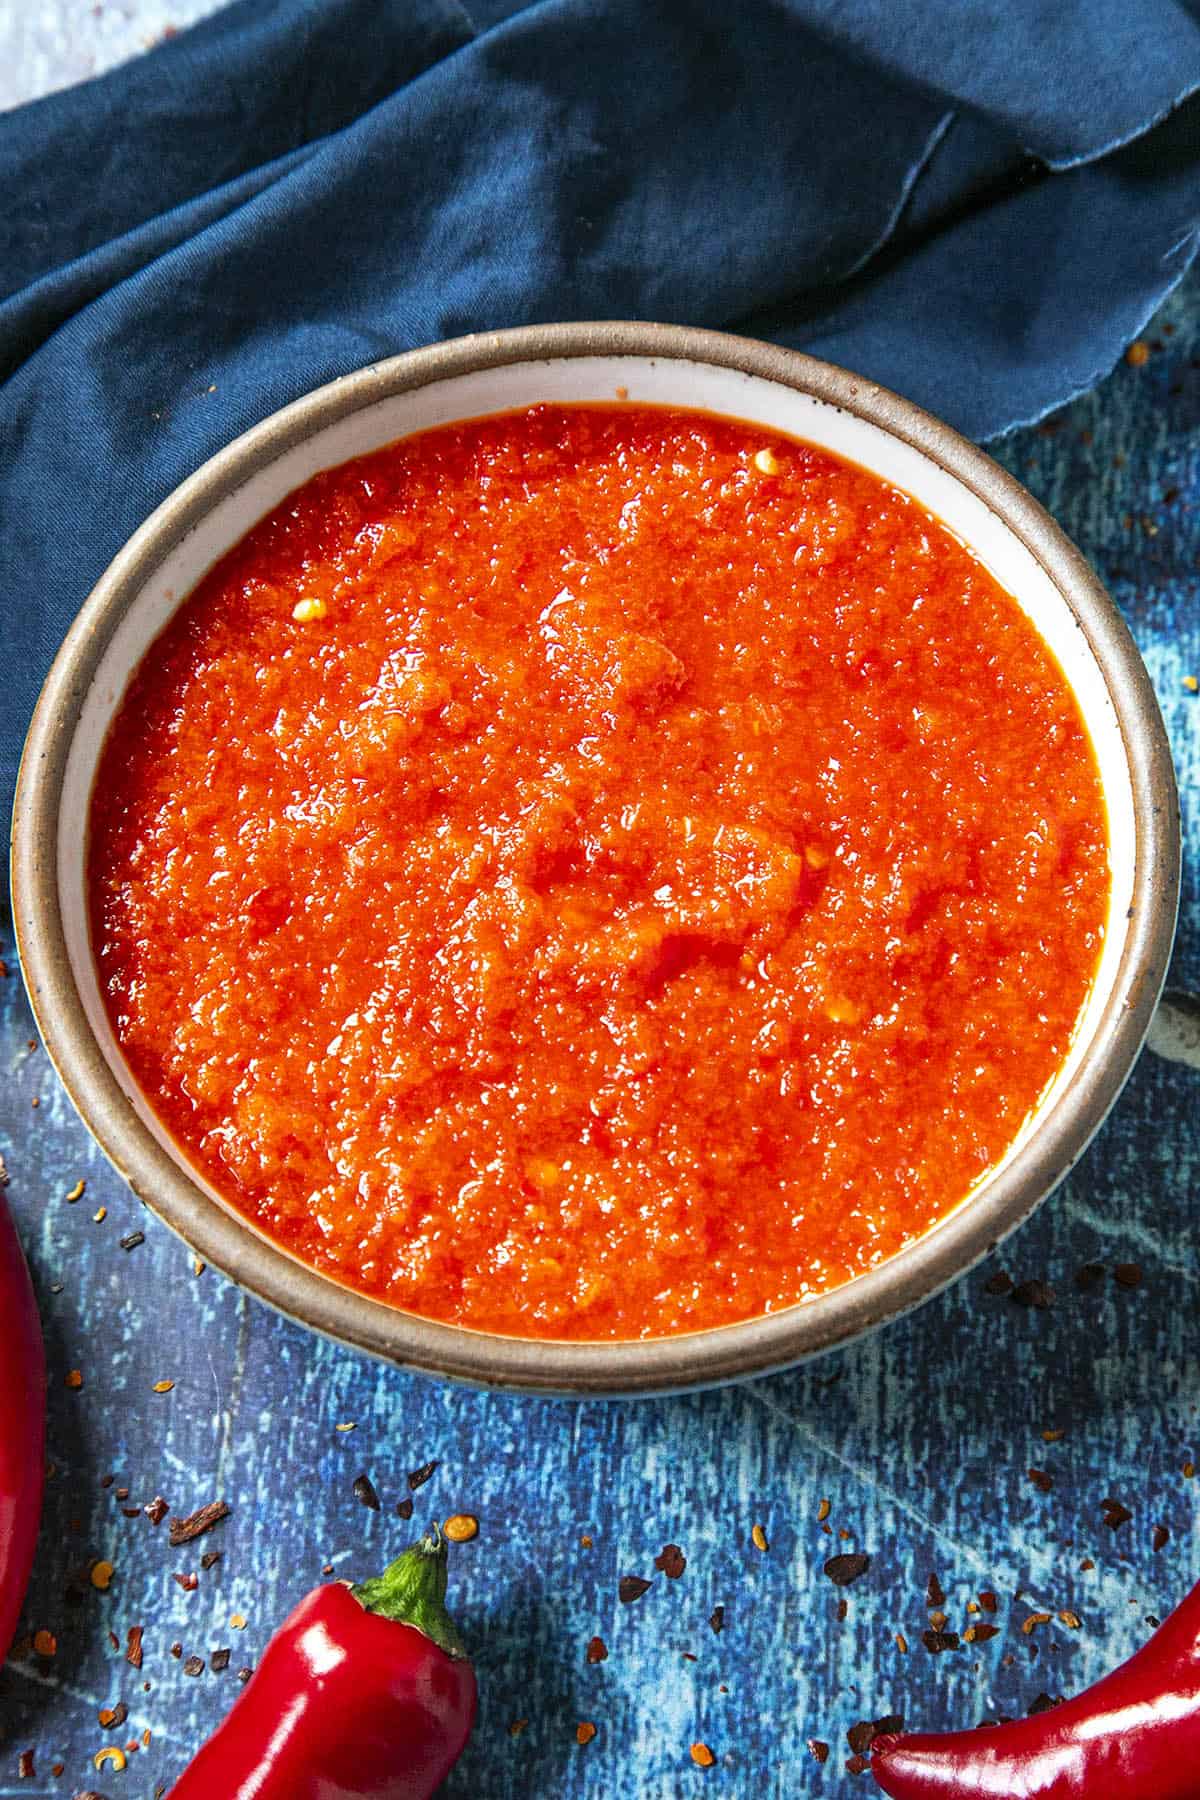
(751, 381)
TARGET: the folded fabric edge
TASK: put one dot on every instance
(1189, 244)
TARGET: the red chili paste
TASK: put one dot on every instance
(597, 872)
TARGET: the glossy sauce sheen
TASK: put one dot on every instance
(656, 890)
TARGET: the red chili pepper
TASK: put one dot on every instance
(1134, 1736)
(22, 1428)
(363, 1691)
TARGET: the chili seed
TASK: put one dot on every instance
(460, 1528)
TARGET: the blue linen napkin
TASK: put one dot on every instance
(979, 206)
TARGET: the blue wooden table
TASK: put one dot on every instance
(977, 1441)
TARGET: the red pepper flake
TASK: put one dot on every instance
(1089, 1277)
(843, 1607)
(25, 1766)
(189, 1583)
(716, 1618)
(1116, 1513)
(861, 1736)
(597, 1650)
(585, 1732)
(194, 1665)
(842, 1570)
(418, 1477)
(671, 1561)
(937, 1641)
(156, 1510)
(857, 1765)
(1041, 1480)
(1161, 1538)
(1128, 1275)
(113, 1715)
(935, 1593)
(73, 1378)
(244, 1675)
(1189, 1471)
(196, 1524)
(114, 1640)
(1087, 1564)
(631, 1588)
(999, 1284)
(133, 1646)
(517, 1727)
(364, 1491)
(980, 1633)
(1043, 1703)
(45, 1643)
(404, 1508)
(1036, 1294)
(219, 1660)
(177, 1650)
(210, 1559)
(987, 1600)
(818, 1748)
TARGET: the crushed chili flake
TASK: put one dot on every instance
(597, 1650)
(1036, 1294)
(716, 1618)
(25, 1766)
(861, 1736)
(404, 1508)
(517, 1727)
(980, 1633)
(844, 1569)
(857, 1765)
(177, 1650)
(631, 1588)
(364, 1491)
(937, 1641)
(818, 1748)
(702, 1756)
(45, 1643)
(1128, 1275)
(194, 1665)
(244, 1675)
(219, 1660)
(585, 1732)
(1116, 1513)
(113, 1715)
(1000, 1283)
(418, 1477)
(1043, 1703)
(671, 1561)
(1189, 1471)
(987, 1600)
(73, 1378)
(1087, 1564)
(195, 1524)
(1041, 1479)
(189, 1583)
(1161, 1537)
(1053, 1437)
(758, 1538)
(210, 1559)
(133, 1646)
(935, 1593)
(1089, 1277)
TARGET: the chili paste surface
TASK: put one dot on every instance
(597, 872)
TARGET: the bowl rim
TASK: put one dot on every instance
(626, 1367)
